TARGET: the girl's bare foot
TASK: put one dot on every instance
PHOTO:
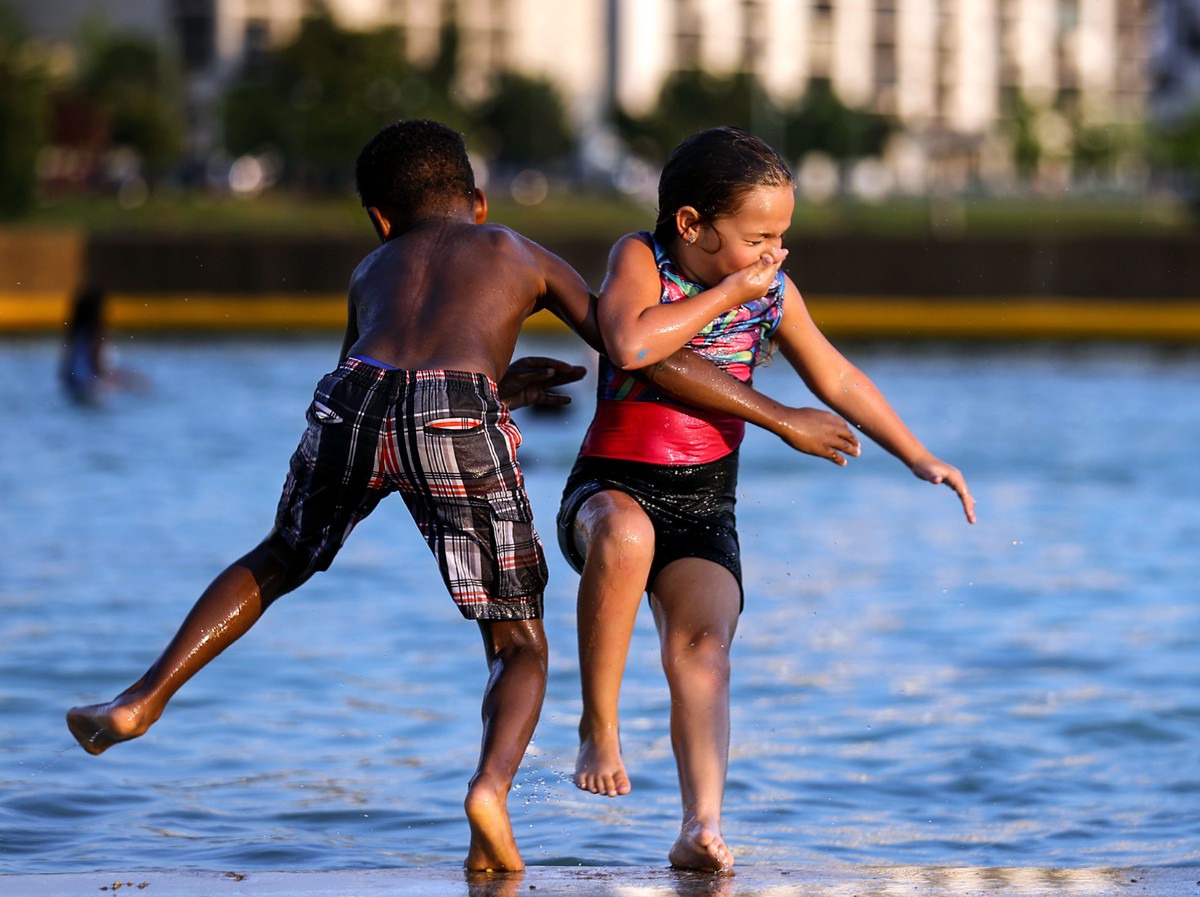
(494, 884)
(702, 848)
(97, 727)
(493, 847)
(599, 768)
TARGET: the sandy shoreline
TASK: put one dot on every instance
(626, 881)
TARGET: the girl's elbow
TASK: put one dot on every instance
(629, 357)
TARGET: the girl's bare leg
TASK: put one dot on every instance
(224, 612)
(696, 604)
(512, 702)
(616, 539)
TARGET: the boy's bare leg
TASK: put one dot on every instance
(617, 542)
(512, 702)
(225, 611)
(696, 606)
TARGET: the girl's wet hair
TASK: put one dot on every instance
(712, 171)
(414, 164)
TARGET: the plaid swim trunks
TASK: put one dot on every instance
(445, 442)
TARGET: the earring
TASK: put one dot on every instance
(691, 238)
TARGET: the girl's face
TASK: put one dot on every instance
(732, 242)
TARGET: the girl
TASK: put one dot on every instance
(649, 505)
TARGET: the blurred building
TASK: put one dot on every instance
(946, 69)
(1175, 90)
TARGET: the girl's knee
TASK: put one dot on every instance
(708, 648)
(698, 678)
(615, 526)
(700, 652)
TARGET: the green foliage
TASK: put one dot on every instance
(1176, 146)
(316, 100)
(1174, 150)
(1096, 150)
(139, 92)
(22, 118)
(692, 101)
(821, 122)
(1021, 121)
(524, 122)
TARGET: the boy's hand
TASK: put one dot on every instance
(528, 381)
(934, 470)
(820, 433)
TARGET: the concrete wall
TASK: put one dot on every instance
(1081, 288)
(1084, 267)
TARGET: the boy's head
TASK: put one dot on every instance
(712, 171)
(413, 165)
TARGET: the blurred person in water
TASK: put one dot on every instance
(88, 368)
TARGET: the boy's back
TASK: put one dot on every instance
(447, 294)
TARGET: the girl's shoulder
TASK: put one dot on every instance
(637, 240)
(638, 247)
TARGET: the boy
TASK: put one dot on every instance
(414, 408)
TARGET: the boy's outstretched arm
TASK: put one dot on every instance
(693, 379)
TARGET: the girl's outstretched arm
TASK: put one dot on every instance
(847, 390)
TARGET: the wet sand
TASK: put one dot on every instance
(626, 881)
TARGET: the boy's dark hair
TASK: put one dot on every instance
(711, 171)
(413, 164)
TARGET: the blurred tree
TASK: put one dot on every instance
(1173, 149)
(127, 95)
(139, 93)
(1097, 150)
(524, 122)
(22, 116)
(691, 101)
(821, 122)
(1020, 118)
(317, 99)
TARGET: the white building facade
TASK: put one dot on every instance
(939, 66)
(1175, 69)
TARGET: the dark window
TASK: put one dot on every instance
(195, 30)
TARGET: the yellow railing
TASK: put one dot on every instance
(856, 317)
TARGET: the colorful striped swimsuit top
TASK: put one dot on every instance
(636, 422)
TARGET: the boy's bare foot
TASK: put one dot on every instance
(97, 727)
(493, 847)
(702, 848)
(599, 768)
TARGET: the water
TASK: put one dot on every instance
(907, 689)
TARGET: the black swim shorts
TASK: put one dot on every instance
(691, 508)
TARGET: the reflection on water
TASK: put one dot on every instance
(908, 690)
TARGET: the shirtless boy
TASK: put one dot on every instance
(414, 408)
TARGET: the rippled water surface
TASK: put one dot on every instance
(907, 689)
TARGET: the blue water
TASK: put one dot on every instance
(907, 689)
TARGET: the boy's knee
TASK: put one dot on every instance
(277, 567)
(511, 638)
